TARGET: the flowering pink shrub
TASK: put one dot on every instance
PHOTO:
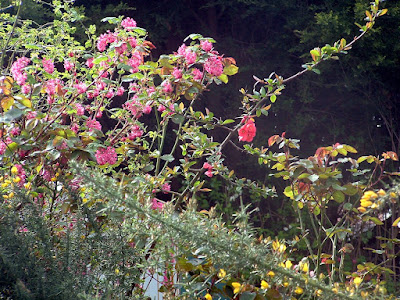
(106, 155)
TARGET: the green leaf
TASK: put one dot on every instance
(248, 296)
(338, 196)
(350, 190)
(167, 157)
(223, 78)
(193, 36)
(272, 98)
(231, 70)
(111, 20)
(99, 59)
(288, 192)
(177, 119)
(316, 71)
(373, 219)
(313, 177)
(11, 115)
(228, 121)
(348, 206)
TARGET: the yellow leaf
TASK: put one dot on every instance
(7, 102)
(396, 222)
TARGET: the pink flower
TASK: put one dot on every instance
(75, 127)
(121, 49)
(206, 165)
(3, 147)
(135, 61)
(147, 109)
(248, 131)
(197, 74)
(128, 22)
(190, 57)
(177, 73)
(17, 70)
(167, 87)
(68, 65)
(206, 45)
(48, 65)
(106, 155)
(93, 124)
(166, 187)
(156, 205)
(182, 50)
(80, 110)
(161, 108)
(132, 41)
(31, 115)
(214, 66)
(26, 89)
(50, 86)
(104, 40)
(209, 173)
(120, 91)
(15, 131)
(110, 93)
(89, 63)
(80, 87)
(135, 132)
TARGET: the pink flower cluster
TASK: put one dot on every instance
(206, 45)
(135, 132)
(93, 124)
(106, 155)
(17, 70)
(127, 23)
(190, 56)
(80, 87)
(48, 65)
(105, 39)
(156, 204)
(214, 66)
(21, 174)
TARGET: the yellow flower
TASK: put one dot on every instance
(14, 170)
(362, 209)
(17, 179)
(236, 287)
(208, 296)
(381, 193)
(299, 290)
(264, 284)
(304, 267)
(221, 273)
(288, 264)
(393, 195)
(365, 203)
(357, 281)
(318, 293)
(286, 284)
(117, 271)
(271, 274)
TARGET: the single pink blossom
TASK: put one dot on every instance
(26, 89)
(209, 173)
(182, 50)
(147, 109)
(80, 110)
